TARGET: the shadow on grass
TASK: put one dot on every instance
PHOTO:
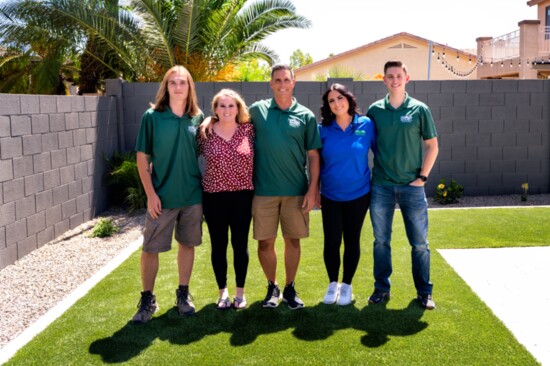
(309, 324)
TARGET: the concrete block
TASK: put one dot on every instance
(26, 246)
(83, 203)
(63, 103)
(40, 123)
(474, 167)
(53, 215)
(24, 207)
(2, 240)
(44, 200)
(76, 220)
(538, 152)
(529, 139)
(113, 87)
(11, 147)
(514, 152)
(505, 86)
(11, 104)
(453, 86)
(528, 166)
(5, 126)
(45, 236)
(489, 179)
(87, 184)
(500, 190)
(20, 125)
(65, 139)
(466, 99)
(463, 153)
(51, 179)
(516, 125)
(514, 179)
(436, 100)
(80, 170)
(479, 86)
(34, 183)
(7, 214)
(50, 141)
(73, 155)
(452, 113)
(530, 111)
(22, 166)
(478, 112)
(8, 256)
(478, 139)
(504, 139)
(32, 144)
(60, 194)
(468, 127)
(516, 99)
(42, 162)
(79, 137)
(476, 191)
(75, 189)
(66, 174)
(491, 126)
(84, 120)
(453, 139)
(535, 86)
(502, 166)
(426, 87)
(14, 190)
(539, 125)
(61, 227)
(91, 135)
(16, 232)
(71, 121)
(504, 112)
(86, 152)
(48, 104)
(30, 104)
(450, 167)
(68, 209)
(36, 223)
(6, 170)
(489, 153)
(253, 88)
(77, 103)
(539, 99)
(57, 122)
(491, 99)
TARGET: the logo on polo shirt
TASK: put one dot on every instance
(406, 119)
(293, 122)
(360, 133)
(192, 129)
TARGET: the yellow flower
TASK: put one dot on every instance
(441, 186)
(445, 194)
(525, 186)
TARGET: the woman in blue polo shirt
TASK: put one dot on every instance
(345, 177)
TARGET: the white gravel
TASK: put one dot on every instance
(36, 283)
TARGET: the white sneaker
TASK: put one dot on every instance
(332, 293)
(345, 294)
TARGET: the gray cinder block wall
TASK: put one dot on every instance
(494, 136)
(51, 167)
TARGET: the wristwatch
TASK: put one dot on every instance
(423, 178)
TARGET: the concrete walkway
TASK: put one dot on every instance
(512, 282)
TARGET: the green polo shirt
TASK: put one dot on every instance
(400, 133)
(283, 138)
(170, 141)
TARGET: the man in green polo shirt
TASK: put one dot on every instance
(173, 187)
(286, 139)
(405, 128)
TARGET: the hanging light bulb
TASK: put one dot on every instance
(470, 60)
(511, 63)
(457, 58)
(438, 59)
(501, 64)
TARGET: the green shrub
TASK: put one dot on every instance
(124, 178)
(103, 229)
(448, 194)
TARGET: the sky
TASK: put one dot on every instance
(342, 25)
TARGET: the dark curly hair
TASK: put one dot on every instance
(326, 114)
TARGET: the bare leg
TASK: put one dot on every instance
(292, 258)
(186, 258)
(149, 269)
(268, 258)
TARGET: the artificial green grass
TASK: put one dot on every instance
(461, 331)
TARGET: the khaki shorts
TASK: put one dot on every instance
(268, 210)
(157, 234)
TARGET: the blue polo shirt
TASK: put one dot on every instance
(345, 173)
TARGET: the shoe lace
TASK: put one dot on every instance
(183, 296)
(271, 291)
(144, 304)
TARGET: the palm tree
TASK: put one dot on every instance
(140, 39)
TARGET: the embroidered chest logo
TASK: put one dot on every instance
(406, 119)
(294, 123)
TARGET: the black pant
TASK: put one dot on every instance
(224, 211)
(343, 218)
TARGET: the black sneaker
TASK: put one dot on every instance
(273, 296)
(426, 301)
(290, 296)
(184, 301)
(379, 297)
(147, 306)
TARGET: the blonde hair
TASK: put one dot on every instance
(242, 116)
(162, 100)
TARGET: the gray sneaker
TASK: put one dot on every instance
(184, 301)
(147, 306)
(426, 301)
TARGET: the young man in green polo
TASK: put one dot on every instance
(405, 128)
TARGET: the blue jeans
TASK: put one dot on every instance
(414, 209)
